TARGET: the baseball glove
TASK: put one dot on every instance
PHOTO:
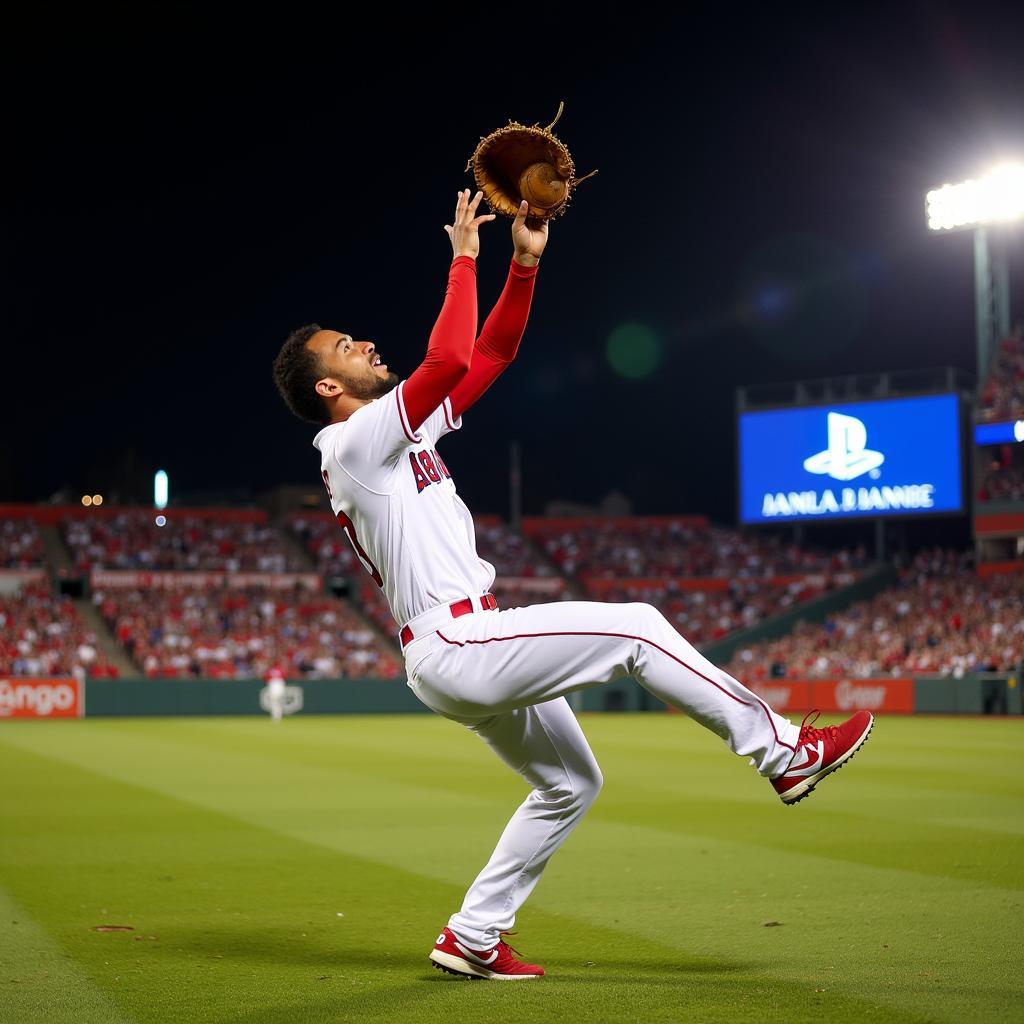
(520, 162)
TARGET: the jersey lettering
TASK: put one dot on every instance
(429, 468)
(421, 480)
(327, 484)
(419, 550)
(350, 530)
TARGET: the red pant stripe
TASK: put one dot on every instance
(628, 636)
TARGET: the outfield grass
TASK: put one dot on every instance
(301, 873)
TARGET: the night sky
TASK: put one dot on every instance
(183, 192)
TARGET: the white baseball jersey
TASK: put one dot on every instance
(506, 674)
(396, 500)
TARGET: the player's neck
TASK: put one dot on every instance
(345, 406)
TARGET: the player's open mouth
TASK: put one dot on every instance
(377, 362)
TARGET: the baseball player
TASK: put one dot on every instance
(504, 674)
(275, 690)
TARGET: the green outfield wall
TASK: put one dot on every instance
(987, 694)
(242, 697)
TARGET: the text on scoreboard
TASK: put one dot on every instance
(898, 456)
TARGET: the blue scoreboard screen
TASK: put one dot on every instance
(899, 456)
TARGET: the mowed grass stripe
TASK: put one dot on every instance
(861, 817)
(968, 755)
(245, 927)
(40, 982)
(960, 755)
(340, 790)
(891, 921)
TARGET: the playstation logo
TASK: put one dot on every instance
(846, 456)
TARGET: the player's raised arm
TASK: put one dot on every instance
(503, 330)
(450, 349)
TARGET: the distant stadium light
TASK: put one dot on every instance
(1018, 431)
(160, 490)
(997, 197)
(161, 520)
(86, 500)
(97, 499)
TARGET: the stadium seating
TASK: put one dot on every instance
(942, 618)
(707, 580)
(705, 616)
(665, 547)
(132, 540)
(524, 575)
(222, 632)
(1002, 397)
(42, 635)
(643, 559)
(1003, 479)
(327, 543)
(234, 632)
(21, 546)
(509, 552)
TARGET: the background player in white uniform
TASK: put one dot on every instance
(504, 674)
(275, 687)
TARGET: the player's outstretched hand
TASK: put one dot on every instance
(465, 227)
(529, 242)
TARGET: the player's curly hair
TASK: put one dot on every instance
(296, 371)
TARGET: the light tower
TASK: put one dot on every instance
(996, 198)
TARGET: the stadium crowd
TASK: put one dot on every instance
(1002, 397)
(21, 544)
(509, 552)
(703, 617)
(1003, 480)
(132, 540)
(940, 619)
(679, 548)
(600, 551)
(43, 635)
(326, 542)
(515, 559)
(241, 633)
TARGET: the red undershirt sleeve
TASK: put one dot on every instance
(499, 340)
(450, 348)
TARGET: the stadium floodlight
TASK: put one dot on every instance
(997, 197)
(160, 489)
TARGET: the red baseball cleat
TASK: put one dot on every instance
(497, 963)
(819, 752)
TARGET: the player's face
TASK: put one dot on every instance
(355, 365)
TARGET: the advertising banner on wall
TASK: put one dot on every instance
(42, 698)
(140, 580)
(846, 460)
(843, 695)
(12, 580)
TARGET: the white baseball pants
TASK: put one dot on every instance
(275, 698)
(505, 674)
